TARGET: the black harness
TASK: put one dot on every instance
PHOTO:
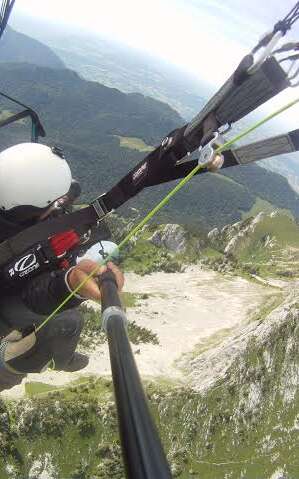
(240, 95)
(39, 256)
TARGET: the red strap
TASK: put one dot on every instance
(63, 242)
(64, 264)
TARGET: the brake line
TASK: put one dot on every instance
(161, 204)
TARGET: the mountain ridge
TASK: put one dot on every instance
(86, 119)
(18, 47)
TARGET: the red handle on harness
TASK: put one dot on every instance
(62, 243)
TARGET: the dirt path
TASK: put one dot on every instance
(182, 309)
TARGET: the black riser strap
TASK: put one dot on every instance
(149, 171)
(265, 83)
(260, 150)
(233, 102)
(160, 166)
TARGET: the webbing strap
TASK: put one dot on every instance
(237, 98)
(269, 80)
(24, 240)
(259, 150)
(149, 171)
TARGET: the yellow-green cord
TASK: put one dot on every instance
(163, 202)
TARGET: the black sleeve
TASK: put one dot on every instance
(44, 293)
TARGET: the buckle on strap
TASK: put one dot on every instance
(207, 152)
(100, 207)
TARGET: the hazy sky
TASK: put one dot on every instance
(205, 37)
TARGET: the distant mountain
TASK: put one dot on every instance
(91, 122)
(119, 66)
(288, 166)
(87, 111)
(17, 47)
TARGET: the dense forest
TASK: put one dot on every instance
(87, 119)
(16, 47)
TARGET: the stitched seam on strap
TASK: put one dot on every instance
(3, 364)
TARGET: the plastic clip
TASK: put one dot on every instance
(100, 207)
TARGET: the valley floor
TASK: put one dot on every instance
(183, 309)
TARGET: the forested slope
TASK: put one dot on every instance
(87, 119)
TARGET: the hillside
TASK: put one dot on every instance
(130, 70)
(218, 354)
(262, 246)
(91, 122)
(17, 47)
(86, 118)
(243, 423)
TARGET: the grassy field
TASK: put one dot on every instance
(281, 228)
(134, 144)
(266, 207)
(73, 432)
(4, 114)
(273, 247)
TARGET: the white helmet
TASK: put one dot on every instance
(32, 175)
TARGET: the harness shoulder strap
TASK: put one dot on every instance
(40, 232)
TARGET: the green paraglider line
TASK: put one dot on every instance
(162, 203)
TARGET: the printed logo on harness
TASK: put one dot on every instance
(25, 265)
(166, 142)
(140, 173)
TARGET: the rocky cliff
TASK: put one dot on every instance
(234, 412)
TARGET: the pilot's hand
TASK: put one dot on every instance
(216, 163)
(91, 289)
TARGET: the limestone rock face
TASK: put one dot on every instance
(273, 340)
(238, 235)
(239, 232)
(172, 237)
(213, 235)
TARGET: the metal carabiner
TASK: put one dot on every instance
(207, 152)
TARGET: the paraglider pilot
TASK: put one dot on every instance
(34, 179)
